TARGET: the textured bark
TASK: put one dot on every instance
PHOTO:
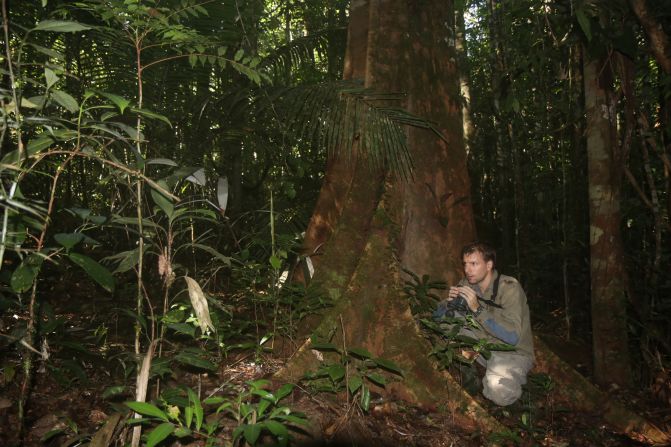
(608, 298)
(376, 223)
(659, 41)
(340, 170)
(464, 81)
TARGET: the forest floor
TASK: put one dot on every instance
(67, 403)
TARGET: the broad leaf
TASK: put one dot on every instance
(278, 430)
(96, 271)
(197, 408)
(198, 177)
(199, 303)
(354, 384)
(129, 259)
(336, 372)
(152, 115)
(159, 434)
(66, 100)
(192, 359)
(69, 240)
(252, 432)
(147, 409)
(163, 202)
(119, 101)
(50, 76)
(360, 352)
(61, 26)
(365, 398)
(584, 23)
(24, 275)
(388, 365)
(323, 346)
(284, 391)
(377, 378)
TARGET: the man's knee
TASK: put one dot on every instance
(502, 391)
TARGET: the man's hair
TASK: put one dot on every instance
(487, 251)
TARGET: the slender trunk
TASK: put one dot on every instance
(609, 317)
(659, 41)
(464, 81)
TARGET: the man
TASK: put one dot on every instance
(499, 305)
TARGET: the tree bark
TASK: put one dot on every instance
(659, 41)
(376, 223)
(608, 297)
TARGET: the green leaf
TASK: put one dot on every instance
(215, 400)
(292, 418)
(119, 101)
(192, 359)
(278, 430)
(388, 365)
(61, 26)
(147, 409)
(24, 275)
(238, 55)
(262, 407)
(360, 352)
(129, 259)
(252, 433)
(182, 432)
(50, 76)
(153, 115)
(47, 51)
(323, 346)
(197, 408)
(65, 100)
(354, 384)
(284, 391)
(336, 372)
(377, 378)
(188, 416)
(158, 434)
(34, 102)
(584, 23)
(365, 398)
(69, 240)
(163, 202)
(183, 328)
(275, 262)
(96, 271)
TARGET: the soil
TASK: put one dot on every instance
(67, 406)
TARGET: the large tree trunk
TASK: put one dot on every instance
(609, 317)
(375, 223)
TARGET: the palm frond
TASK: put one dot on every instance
(301, 50)
(335, 115)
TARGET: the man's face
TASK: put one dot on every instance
(475, 268)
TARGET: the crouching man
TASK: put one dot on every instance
(499, 305)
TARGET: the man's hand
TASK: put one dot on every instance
(468, 294)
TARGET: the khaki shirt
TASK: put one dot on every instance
(510, 323)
